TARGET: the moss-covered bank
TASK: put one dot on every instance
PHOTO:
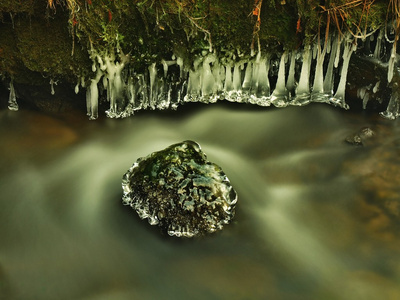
(52, 38)
(43, 40)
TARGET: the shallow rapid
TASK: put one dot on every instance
(318, 218)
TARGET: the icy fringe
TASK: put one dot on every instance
(312, 74)
(12, 99)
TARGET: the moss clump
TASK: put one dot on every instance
(17, 6)
(278, 25)
(35, 47)
(48, 53)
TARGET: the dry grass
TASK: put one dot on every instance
(341, 16)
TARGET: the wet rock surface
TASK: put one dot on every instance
(359, 138)
(179, 190)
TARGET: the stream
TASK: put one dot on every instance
(317, 218)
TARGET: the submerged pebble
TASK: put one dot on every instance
(360, 137)
(179, 190)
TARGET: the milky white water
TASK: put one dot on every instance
(316, 218)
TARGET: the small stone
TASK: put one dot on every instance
(179, 190)
(366, 133)
(354, 140)
(359, 138)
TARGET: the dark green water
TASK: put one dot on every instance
(316, 218)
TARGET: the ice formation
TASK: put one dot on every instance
(317, 73)
(12, 99)
(339, 97)
(179, 190)
(291, 81)
(334, 47)
(92, 96)
(170, 83)
(52, 83)
(318, 94)
(391, 63)
(280, 95)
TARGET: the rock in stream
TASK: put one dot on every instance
(179, 190)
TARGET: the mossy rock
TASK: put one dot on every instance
(46, 47)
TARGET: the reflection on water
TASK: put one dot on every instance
(316, 218)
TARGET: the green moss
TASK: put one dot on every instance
(41, 52)
(10, 62)
(17, 6)
(41, 40)
(278, 26)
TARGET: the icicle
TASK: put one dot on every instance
(328, 81)
(109, 66)
(258, 82)
(194, 83)
(52, 83)
(131, 91)
(105, 85)
(88, 103)
(315, 50)
(361, 92)
(365, 100)
(118, 84)
(161, 94)
(263, 88)
(260, 86)
(114, 83)
(207, 78)
(92, 96)
(165, 67)
(318, 86)
(12, 98)
(77, 88)
(303, 89)
(254, 75)
(246, 86)
(279, 96)
(182, 88)
(391, 63)
(166, 64)
(179, 62)
(393, 108)
(143, 96)
(291, 82)
(228, 85)
(376, 87)
(83, 84)
(338, 98)
(237, 78)
(218, 72)
(337, 56)
(377, 51)
(153, 89)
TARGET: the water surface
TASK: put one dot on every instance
(316, 219)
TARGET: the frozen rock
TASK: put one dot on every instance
(179, 190)
(359, 138)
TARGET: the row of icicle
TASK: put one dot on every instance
(208, 80)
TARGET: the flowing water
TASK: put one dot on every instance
(317, 218)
